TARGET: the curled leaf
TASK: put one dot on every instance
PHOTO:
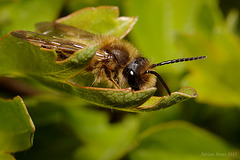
(16, 126)
(100, 20)
(157, 103)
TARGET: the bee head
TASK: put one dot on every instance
(134, 73)
(138, 71)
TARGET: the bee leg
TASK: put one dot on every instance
(109, 76)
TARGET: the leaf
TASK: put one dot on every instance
(30, 60)
(16, 127)
(105, 97)
(100, 20)
(179, 140)
(4, 156)
(156, 103)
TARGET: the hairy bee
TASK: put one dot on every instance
(116, 61)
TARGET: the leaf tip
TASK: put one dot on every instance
(19, 34)
(189, 91)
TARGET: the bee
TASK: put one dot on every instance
(116, 61)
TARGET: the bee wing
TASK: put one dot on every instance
(63, 47)
(64, 31)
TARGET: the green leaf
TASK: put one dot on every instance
(100, 20)
(16, 126)
(4, 156)
(174, 140)
(31, 61)
(105, 97)
(156, 103)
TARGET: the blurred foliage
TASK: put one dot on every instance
(208, 128)
(23, 14)
(16, 127)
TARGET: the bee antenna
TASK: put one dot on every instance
(161, 80)
(178, 60)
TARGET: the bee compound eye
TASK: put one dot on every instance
(130, 73)
(132, 79)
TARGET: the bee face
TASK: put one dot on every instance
(134, 73)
